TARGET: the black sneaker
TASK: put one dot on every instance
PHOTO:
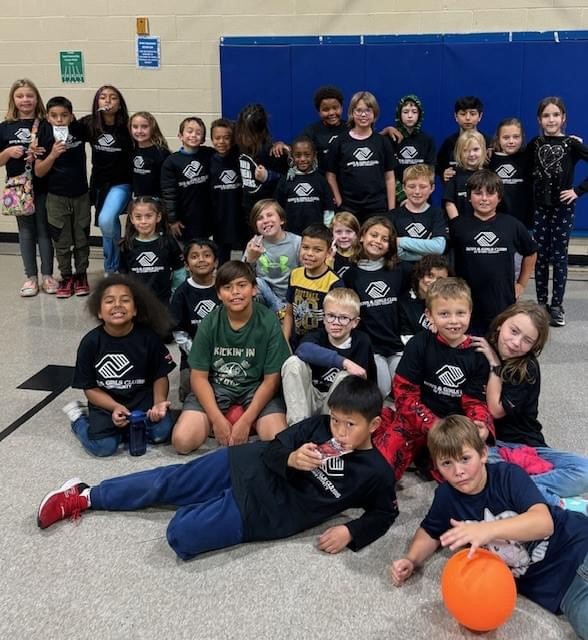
(558, 316)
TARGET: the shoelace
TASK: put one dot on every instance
(79, 503)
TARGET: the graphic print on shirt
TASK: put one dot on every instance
(111, 371)
(229, 180)
(231, 373)
(330, 468)
(247, 166)
(274, 269)
(417, 230)
(486, 243)
(105, 143)
(519, 556)
(447, 381)
(201, 310)
(363, 157)
(192, 171)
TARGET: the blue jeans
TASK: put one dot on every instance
(157, 432)
(209, 517)
(268, 297)
(109, 221)
(574, 604)
(569, 476)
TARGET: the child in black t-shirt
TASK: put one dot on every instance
(484, 247)
(185, 178)
(498, 507)
(68, 200)
(304, 193)
(263, 490)
(412, 317)
(468, 112)
(360, 163)
(325, 356)
(416, 146)
(328, 101)
(379, 280)
(149, 251)
(122, 365)
(193, 300)
(440, 373)
(228, 221)
(149, 153)
(470, 156)
(345, 229)
(421, 228)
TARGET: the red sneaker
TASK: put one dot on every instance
(65, 288)
(62, 503)
(81, 286)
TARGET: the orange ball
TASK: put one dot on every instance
(480, 592)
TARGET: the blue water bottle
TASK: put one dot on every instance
(137, 433)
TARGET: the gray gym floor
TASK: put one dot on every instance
(112, 575)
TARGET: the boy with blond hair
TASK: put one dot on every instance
(325, 356)
(440, 373)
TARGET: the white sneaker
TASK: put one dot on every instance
(74, 410)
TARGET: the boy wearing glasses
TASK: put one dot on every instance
(325, 356)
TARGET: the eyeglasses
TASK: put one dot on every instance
(362, 112)
(331, 318)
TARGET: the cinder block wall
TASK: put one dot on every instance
(34, 31)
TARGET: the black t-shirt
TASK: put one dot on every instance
(124, 367)
(554, 159)
(521, 405)
(228, 220)
(277, 501)
(67, 177)
(378, 293)
(341, 264)
(325, 366)
(417, 148)
(360, 167)
(153, 262)
(455, 191)
(17, 133)
(190, 304)
(254, 191)
(484, 256)
(515, 172)
(411, 314)
(323, 136)
(423, 226)
(304, 198)
(443, 373)
(111, 154)
(147, 165)
(543, 569)
(185, 187)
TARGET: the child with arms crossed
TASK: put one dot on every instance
(421, 228)
(122, 365)
(498, 507)
(516, 338)
(262, 490)
(325, 356)
(236, 358)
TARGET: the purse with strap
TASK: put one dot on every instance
(18, 198)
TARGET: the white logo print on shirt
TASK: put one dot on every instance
(105, 140)
(114, 365)
(377, 289)
(408, 153)
(416, 230)
(505, 171)
(303, 189)
(24, 135)
(147, 259)
(228, 176)
(363, 153)
(192, 169)
(486, 239)
(450, 375)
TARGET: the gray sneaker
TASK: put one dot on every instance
(558, 316)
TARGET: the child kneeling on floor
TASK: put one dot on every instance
(262, 490)
(498, 507)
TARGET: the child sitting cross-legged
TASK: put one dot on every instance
(499, 508)
(325, 356)
(262, 490)
(236, 358)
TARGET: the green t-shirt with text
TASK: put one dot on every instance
(238, 360)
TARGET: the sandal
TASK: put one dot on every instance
(50, 284)
(29, 288)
